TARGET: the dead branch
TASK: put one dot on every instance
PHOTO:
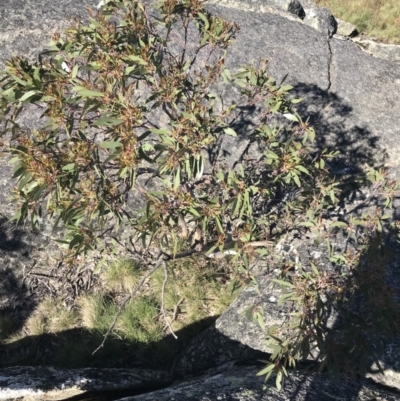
(126, 300)
(162, 299)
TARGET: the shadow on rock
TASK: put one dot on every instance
(335, 125)
(16, 301)
(74, 348)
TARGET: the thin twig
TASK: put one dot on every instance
(125, 301)
(176, 309)
(162, 299)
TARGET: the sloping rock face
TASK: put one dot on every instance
(354, 103)
(353, 100)
(26, 26)
(349, 95)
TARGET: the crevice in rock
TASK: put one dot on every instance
(329, 65)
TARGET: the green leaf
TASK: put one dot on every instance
(269, 368)
(307, 224)
(332, 195)
(137, 60)
(75, 71)
(284, 283)
(86, 92)
(205, 20)
(236, 205)
(339, 224)
(285, 297)
(302, 169)
(291, 117)
(311, 133)
(296, 179)
(110, 144)
(24, 180)
(260, 320)
(69, 167)
(28, 95)
(315, 270)
(230, 131)
(177, 179)
(194, 212)
(219, 225)
(107, 121)
(286, 88)
(279, 380)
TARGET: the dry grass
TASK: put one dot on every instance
(51, 316)
(376, 18)
(196, 293)
(195, 290)
(122, 275)
(96, 312)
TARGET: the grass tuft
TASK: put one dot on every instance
(50, 316)
(139, 321)
(122, 275)
(96, 312)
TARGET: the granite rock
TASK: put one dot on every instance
(241, 384)
(345, 28)
(352, 98)
(39, 383)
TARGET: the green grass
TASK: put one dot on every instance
(51, 316)
(376, 18)
(195, 294)
(123, 275)
(140, 322)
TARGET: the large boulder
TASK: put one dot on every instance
(353, 100)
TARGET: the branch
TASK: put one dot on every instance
(162, 299)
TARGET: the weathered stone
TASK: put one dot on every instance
(39, 383)
(212, 348)
(241, 384)
(26, 26)
(322, 20)
(345, 28)
(276, 7)
(291, 6)
(352, 98)
(380, 50)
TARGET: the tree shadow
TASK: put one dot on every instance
(364, 329)
(16, 301)
(74, 348)
(364, 332)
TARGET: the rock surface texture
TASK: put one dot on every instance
(38, 383)
(353, 100)
(240, 384)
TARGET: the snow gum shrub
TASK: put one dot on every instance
(130, 110)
